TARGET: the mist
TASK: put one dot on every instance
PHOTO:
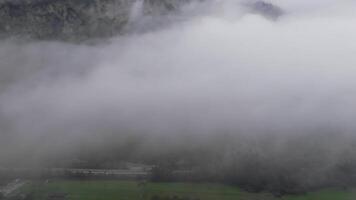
(213, 76)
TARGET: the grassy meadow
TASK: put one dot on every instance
(130, 190)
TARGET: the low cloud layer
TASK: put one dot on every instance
(220, 71)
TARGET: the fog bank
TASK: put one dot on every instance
(217, 70)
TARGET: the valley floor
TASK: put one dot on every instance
(130, 190)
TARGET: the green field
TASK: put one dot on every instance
(128, 190)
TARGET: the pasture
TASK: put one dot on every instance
(131, 190)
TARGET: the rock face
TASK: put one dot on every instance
(266, 9)
(79, 20)
(63, 19)
(154, 7)
(72, 20)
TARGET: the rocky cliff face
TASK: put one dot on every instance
(265, 9)
(63, 19)
(71, 19)
(79, 20)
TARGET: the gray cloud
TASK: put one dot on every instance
(222, 70)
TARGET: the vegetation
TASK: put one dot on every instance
(130, 190)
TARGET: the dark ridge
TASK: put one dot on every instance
(82, 20)
(61, 19)
(71, 20)
(266, 9)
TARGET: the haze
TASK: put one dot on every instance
(210, 70)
